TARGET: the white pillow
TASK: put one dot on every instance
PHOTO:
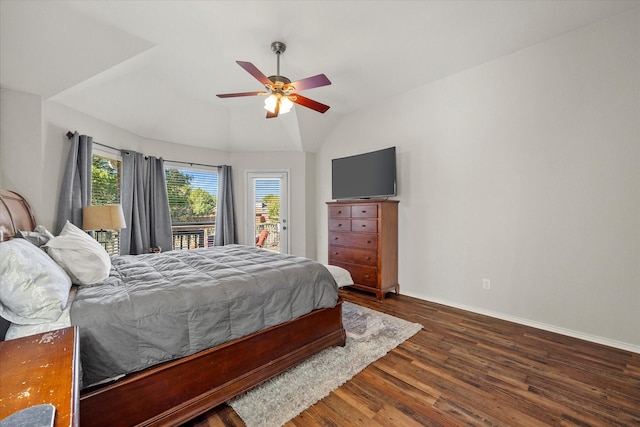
(33, 288)
(81, 256)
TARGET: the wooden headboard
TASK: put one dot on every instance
(15, 214)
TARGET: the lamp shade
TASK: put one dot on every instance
(105, 217)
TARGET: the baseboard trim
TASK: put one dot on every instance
(538, 325)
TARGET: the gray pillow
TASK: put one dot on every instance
(39, 237)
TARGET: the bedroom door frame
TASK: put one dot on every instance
(250, 224)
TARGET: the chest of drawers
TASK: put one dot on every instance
(363, 239)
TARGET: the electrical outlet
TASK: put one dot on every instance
(486, 284)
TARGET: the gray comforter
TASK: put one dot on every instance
(159, 307)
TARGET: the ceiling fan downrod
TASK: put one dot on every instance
(278, 48)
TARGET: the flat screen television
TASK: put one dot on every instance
(364, 176)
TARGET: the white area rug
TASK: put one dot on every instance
(370, 335)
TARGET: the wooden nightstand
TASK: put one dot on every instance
(40, 369)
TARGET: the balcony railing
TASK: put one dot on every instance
(272, 241)
(193, 236)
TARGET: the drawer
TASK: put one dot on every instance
(358, 240)
(364, 211)
(340, 211)
(367, 276)
(361, 275)
(338, 254)
(339, 225)
(364, 225)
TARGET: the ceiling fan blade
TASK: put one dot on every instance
(233, 95)
(309, 103)
(253, 70)
(271, 115)
(311, 82)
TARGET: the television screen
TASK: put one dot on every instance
(364, 176)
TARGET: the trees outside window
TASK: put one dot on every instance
(105, 181)
(273, 207)
(193, 200)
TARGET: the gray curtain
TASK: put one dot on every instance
(226, 216)
(135, 238)
(157, 203)
(75, 192)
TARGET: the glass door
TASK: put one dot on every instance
(267, 210)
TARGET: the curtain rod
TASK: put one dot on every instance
(191, 164)
(70, 135)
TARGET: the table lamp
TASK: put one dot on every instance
(103, 219)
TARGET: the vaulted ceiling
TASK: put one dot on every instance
(154, 67)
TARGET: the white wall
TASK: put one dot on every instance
(311, 216)
(21, 156)
(525, 171)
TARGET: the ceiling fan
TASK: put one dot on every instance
(282, 92)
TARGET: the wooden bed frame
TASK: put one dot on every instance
(177, 391)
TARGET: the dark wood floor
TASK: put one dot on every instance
(468, 369)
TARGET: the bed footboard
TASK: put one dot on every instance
(177, 391)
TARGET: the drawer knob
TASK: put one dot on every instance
(339, 212)
(367, 258)
(364, 225)
(335, 253)
(339, 225)
(364, 211)
(335, 238)
(366, 276)
(368, 241)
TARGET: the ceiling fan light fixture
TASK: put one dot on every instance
(285, 105)
(272, 101)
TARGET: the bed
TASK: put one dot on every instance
(176, 390)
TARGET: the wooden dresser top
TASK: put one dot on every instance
(41, 369)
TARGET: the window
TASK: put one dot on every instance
(193, 201)
(105, 190)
